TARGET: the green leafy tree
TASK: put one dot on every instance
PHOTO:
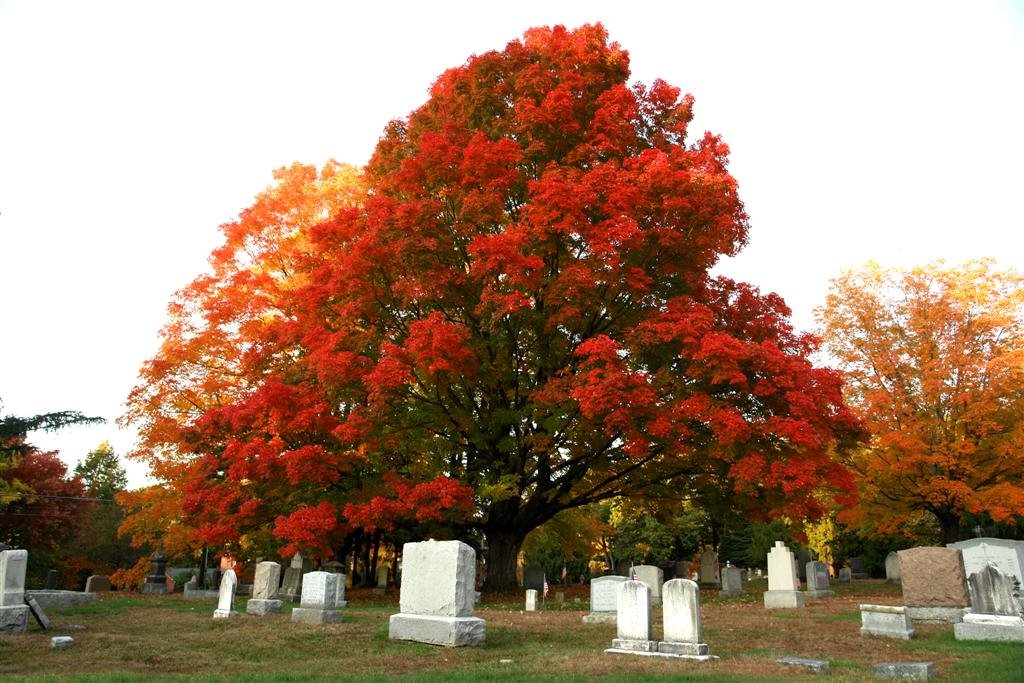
(102, 472)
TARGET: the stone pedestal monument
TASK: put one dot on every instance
(783, 586)
(13, 610)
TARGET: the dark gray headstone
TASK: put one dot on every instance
(533, 578)
(51, 580)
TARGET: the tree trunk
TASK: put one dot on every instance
(502, 555)
(949, 525)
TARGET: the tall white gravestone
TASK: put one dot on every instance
(226, 597)
(264, 590)
(604, 598)
(437, 595)
(634, 633)
(322, 598)
(13, 610)
(681, 614)
(783, 585)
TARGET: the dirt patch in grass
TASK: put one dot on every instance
(170, 638)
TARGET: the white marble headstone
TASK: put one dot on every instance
(319, 590)
(438, 578)
(226, 596)
(13, 564)
(268, 576)
(604, 593)
(781, 569)
(1004, 554)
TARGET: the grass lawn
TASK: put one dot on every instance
(135, 636)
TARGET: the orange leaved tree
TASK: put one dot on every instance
(934, 360)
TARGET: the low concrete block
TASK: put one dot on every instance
(783, 599)
(311, 615)
(437, 630)
(886, 621)
(936, 615)
(915, 671)
(817, 665)
(56, 599)
(601, 618)
(61, 642)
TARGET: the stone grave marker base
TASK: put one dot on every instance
(783, 599)
(437, 630)
(260, 606)
(936, 615)
(630, 645)
(311, 615)
(659, 655)
(990, 627)
(915, 671)
(601, 618)
(696, 649)
(819, 594)
(14, 619)
(886, 621)
(224, 613)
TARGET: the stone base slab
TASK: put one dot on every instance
(55, 599)
(886, 621)
(601, 618)
(310, 615)
(437, 630)
(660, 655)
(634, 645)
(260, 606)
(990, 627)
(819, 594)
(916, 671)
(154, 588)
(818, 665)
(783, 599)
(14, 619)
(676, 648)
(224, 613)
(936, 615)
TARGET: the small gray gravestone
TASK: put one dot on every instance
(437, 595)
(604, 592)
(533, 578)
(886, 621)
(226, 597)
(709, 573)
(892, 567)
(634, 633)
(845, 575)
(13, 610)
(817, 580)
(995, 614)
(653, 577)
(783, 585)
(382, 581)
(816, 665)
(291, 585)
(732, 582)
(320, 598)
(264, 590)
(682, 625)
(51, 580)
(857, 567)
(97, 584)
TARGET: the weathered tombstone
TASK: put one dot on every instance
(339, 593)
(61, 642)
(682, 626)
(37, 613)
(845, 575)
(817, 580)
(732, 582)
(320, 603)
(934, 584)
(1005, 554)
(437, 595)
(382, 581)
(709, 572)
(13, 610)
(634, 632)
(226, 598)
(531, 600)
(857, 567)
(533, 578)
(604, 597)
(892, 567)
(803, 556)
(653, 577)
(783, 586)
(913, 671)
(264, 590)
(291, 586)
(995, 614)
(156, 582)
(97, 584)
(51, 580)
(886, 621)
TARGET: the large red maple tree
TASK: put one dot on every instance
(520, 302)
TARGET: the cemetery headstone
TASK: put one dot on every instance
(97, 584)
(892, 567)
(382, 581)
(264, 590)
(732, 582)
(817, 580)
(913, 671)
(709, 572)
(995, 613)
(653, 577)
(604, 597)
(533, 578)
(857, 567)
(682, 624)
(783, 585)
(634, 633)
(845, 575)
(51, 580)
(1005, 554)
(61, 642)
(437, 595)
(886, 621)
(13, 610)
(531, 600)
(226, 597)
(37, 613)
(934, 584)
(320, 602)
(156, 581)
(291, 585)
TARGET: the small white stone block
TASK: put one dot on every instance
(886, 621)
(61, 642)
(994, 627)
(783, 599)
(531, 600)
(312, 615)
(437, 630)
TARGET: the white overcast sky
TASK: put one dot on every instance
(129, 131)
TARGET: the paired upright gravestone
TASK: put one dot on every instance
(709, 573)
(783, 586)
(892, 567)
(264, 590)
(732, 582)
(604, 596)
(323, 596)
(682, 622)
(934, 584)
(156, 581)
(654, 577)
(1005, 554)
(817, 580)
(226, 598)
(13, 610)
(437, 595)
(633, 619)
(995, 613)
